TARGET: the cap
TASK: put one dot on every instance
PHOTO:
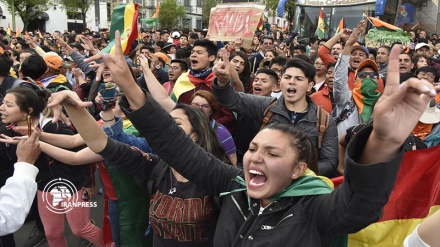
(54, 61)
(163, 56)
(431, 115)
(420, 45)
(168, 46)
(175, 35)
(367, 63)
(362, 48)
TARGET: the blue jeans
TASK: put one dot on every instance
(113, 214)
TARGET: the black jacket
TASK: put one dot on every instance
(253, 107)
(296, 221)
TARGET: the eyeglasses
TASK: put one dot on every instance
(319, 64)
(173, 68)
(429, 75)
(204, 106)
(372, 75)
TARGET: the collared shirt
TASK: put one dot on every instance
(46, 81)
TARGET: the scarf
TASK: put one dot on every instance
(187, 81)
(365, 95)
(202, 74)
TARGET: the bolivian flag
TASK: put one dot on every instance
(124, 19)
(321, 25)
(183, 85)
(416, 195)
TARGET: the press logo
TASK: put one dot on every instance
(61, 197)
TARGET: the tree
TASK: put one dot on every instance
(28, 10)
(170, 13)
(206, 12)
(289, 9)
(73, 6)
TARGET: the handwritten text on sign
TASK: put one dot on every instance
(377, 38)
(228, 22)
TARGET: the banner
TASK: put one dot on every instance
(230, 21)
(376, 38)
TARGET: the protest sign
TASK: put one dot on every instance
(230, 21)
(377, 38)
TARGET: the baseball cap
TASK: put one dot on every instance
(162, 55)
(54, 61)
(367, 63)
(420, 45)
(362, 48)
(175, 35)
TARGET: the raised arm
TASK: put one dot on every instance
(157, 91)
(374, 156)
(82, 157)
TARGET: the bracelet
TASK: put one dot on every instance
(108, 120)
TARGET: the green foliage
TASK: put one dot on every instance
(206, 11)
(289, 8)
(27, 9)
(75, 6)
(170, 13)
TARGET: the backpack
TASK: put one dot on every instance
(12, 82)
(321, 125)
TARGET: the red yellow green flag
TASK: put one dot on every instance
(124, 19)
(341, 25)
(321, 25)
(379, 24)
(415, 196)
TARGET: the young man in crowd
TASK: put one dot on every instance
(383, 56)
(53, 79)
(294, 106)
(266, 44)
(176, 68)
(200, 77)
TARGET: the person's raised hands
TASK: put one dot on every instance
(399, 108)
(144, 62)
(117, 65)
(65, 97)
(345, 33)
(356, 32)
(222, 68)
(87, 43)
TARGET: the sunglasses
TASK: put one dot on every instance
(372, 75)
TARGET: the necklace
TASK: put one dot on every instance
(173, 187)
(307, 107)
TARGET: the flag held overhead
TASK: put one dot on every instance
(124, 19)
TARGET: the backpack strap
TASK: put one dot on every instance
(322, 123)
(157, 176)
(267, 115)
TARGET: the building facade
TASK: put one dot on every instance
(56, 19)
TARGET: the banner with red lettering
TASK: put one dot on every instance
(230, 21)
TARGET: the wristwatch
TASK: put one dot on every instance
(158, 67)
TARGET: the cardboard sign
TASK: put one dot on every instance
(230, 21)
(377, 38)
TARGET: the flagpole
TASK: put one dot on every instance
(13, 14)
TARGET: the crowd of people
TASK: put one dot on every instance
(209, 143)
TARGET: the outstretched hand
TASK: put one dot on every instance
(401, 105)
(356, 32)
(65, 97)
(221, 68)
(117, 65)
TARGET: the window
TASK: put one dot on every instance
(187, 3)
(199, 24)
(199, 3)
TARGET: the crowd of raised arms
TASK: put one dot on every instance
(209, 143)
